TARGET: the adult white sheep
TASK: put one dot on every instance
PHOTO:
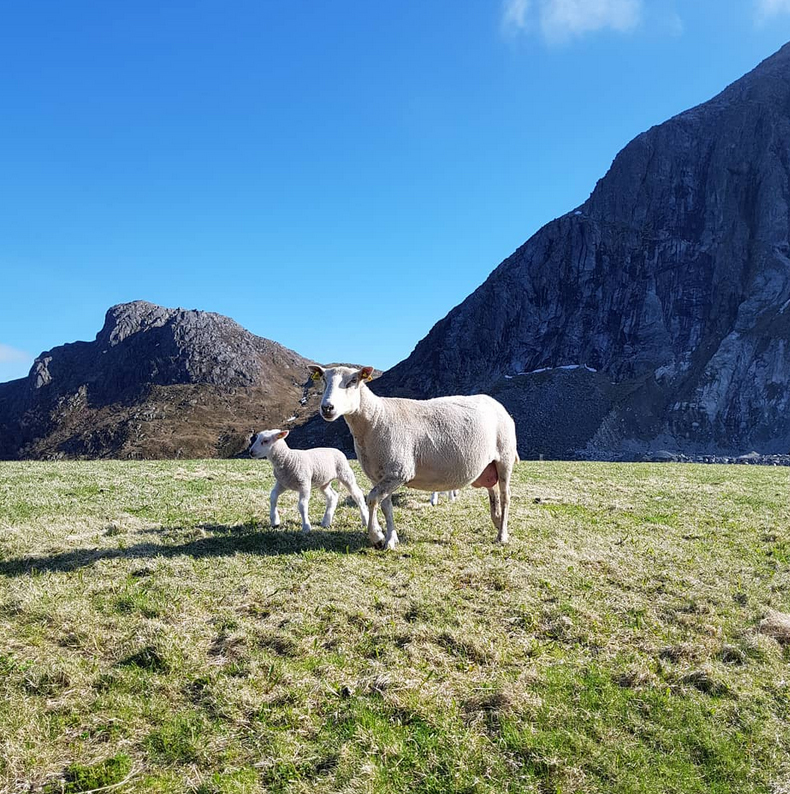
(442, 444)
(301, 469)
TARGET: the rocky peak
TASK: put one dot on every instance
(194, 370)
(672, 280)
(142, 344)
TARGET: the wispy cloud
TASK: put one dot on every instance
(674, 24)
(10, 355)
(559, 20)
(765, 9)
(514, 15)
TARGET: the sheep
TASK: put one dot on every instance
(299, 470)
(451, 495)
(441, 444)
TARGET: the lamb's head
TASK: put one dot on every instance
(261, 443)
(342, 388)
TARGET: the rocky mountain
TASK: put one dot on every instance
(657, 313)
(654, 316)
(155, 383)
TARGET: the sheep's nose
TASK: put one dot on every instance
(327, 409)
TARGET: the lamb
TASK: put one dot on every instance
(451, 495)
(441, 444)
(299, 470)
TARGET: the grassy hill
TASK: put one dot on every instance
(155, 632)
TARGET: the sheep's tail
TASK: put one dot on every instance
(518, 459)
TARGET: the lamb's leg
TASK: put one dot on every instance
(493, 502)
(304, 503)
(274, 515)
(383, 489)
(331, 505)
(350, 484)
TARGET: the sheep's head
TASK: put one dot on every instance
(342, 387)
(261, 443)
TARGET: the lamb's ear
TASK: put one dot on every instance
(282, 434)
(366, 373)
(316, 373)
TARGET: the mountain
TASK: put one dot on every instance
(155, 383)
(657, 313)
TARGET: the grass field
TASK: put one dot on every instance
(155, 632)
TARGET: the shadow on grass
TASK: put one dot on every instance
(224, 541)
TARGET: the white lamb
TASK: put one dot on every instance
(433, 445)
(301, 469)
(451, 495)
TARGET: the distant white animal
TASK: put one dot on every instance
(433, 445)
(451, 495)
(302, 469)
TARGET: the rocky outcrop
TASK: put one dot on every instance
(155, 383)
(671, 283)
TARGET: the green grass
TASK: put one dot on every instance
(157, 634)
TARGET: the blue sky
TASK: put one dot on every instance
(333, 175)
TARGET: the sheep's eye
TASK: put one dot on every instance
(351, 382)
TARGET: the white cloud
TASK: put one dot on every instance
(514, 15)
(560, 20)
(10, 355)
(770, 8)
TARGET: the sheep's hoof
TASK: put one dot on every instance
(326, 524)
(391, 542)
(376, 539)
(503, 539)
(276, 526)
(306, 528)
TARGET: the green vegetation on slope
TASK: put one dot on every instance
(157, 634)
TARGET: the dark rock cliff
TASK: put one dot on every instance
(156, 382)
(672, 282)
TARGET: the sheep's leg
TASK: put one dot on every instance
(274, 515)
(496, 511)
(378, 494)
(391, 541)
(504, 492)
(350, 484)
(435, 498)
(304, 503)
(453, 495)
(375, 535)
(331, 504)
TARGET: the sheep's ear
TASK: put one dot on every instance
(316, 373)
(366, 373)
(281, 434)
